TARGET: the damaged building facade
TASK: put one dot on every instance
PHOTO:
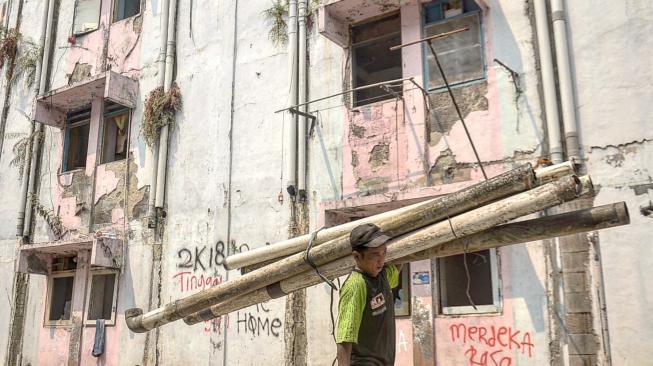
(142, 142)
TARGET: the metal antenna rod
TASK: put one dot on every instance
(455, 104)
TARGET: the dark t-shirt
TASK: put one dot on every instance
(366, 317)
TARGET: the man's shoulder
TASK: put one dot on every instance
(354, 280)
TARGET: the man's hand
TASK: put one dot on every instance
(344, 354)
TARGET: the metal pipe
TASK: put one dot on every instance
(164, 136)
(302, 93)
(154, 150)
(548, 82)
(290, 130)
(36, 146)
(345, 92)
(565, 80)
(24, 185)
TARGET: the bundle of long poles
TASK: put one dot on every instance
(470, 219)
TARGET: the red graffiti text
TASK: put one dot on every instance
(491, 345)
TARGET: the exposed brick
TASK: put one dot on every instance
(574, 243)
(582, 344)
(575, 262)
(582, 360)
(578, 302)
(578, 323)
(575, 281)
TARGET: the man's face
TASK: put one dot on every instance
(371, 261)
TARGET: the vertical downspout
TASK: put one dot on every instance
(28, 160)
(154, 151)
(164, 137)
(302, 81)
(36, 146)
(290, 131)
(548, 82)
(564, 80)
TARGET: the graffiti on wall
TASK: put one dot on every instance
(258, 323)
(206, 257)
(491, 345)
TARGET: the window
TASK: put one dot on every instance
(483, 283)
(402, 292)
(87, 16)
(116, 129)
(123, 9)
(373, 62)
(101, 299)
(60, 291)
(461, 54)
(76, 139)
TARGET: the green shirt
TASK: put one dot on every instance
(353, 297)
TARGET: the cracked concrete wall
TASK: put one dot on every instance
(612, 78)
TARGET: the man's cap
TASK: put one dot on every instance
(367, 235)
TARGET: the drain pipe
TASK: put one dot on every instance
(290, 130)
(28, 183)
(164, 137)
(302, 81)
(548, 82)
(154, 150)
(565, 80)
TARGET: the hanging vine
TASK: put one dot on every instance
(160, 109)
(53, 220)
(28, 57)
(8, 45)
(21, 149)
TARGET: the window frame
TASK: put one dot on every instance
(426, 52)
(352, 54)
(114, 303)
(497, 300)
(113, 11)
(102, 137)
(66, 141)
(99, 17)
(46, 314)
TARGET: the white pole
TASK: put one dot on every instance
(301, 125)
(565, 80)
(153, 152)
(290, 131)
(548, 82)
(163, 138)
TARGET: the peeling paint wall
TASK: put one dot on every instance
(224, 193)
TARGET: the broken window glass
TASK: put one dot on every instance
(87, 16)
(460, 54)
(453, 280)
(123, 9)
(101, 302)
(115, 134)
(76, 139)
(373, 62)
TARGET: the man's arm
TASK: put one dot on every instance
(344, 354)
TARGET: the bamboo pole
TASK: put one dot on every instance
(268, 253)
(590, 219)
(402, 221)
(467, 223)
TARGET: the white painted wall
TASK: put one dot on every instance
(612, 59)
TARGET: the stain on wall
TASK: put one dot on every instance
(470, 98)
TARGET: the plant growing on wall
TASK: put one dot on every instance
(8, 45)
(277, 14)
(53, 220)
(28, 57)
(21, 149)
(160, 109)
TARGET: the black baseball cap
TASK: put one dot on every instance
(367, 235)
